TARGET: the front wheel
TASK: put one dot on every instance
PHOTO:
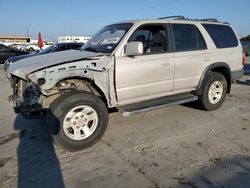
(214, 91)
(77, 120)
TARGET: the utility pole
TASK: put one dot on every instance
(28, 35)
(70, 26)
(27, 31)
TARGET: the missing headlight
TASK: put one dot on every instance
(41, 81)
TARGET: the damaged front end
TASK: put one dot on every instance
(38, 81)
(26, 96)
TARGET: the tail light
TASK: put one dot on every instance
(243, 58)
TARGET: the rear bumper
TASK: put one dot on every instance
(235, 75)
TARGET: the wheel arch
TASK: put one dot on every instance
(219, 67)
(93, 87)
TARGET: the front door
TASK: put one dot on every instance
(146, 76)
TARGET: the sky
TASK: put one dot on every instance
(55, 18)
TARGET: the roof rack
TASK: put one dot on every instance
(209, 20)
(173, 17)
(183, 18)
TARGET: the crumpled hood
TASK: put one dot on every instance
(24, 67)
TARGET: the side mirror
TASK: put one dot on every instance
(134, 48)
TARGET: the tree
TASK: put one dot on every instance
(247, 38)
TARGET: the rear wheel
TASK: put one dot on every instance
(77, 120)
(214, 91)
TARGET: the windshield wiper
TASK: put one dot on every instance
(91, 49)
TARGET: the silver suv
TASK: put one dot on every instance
(131, 66)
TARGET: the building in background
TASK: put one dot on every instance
(82, 39)
(11, 39)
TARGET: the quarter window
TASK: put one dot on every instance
(188, 37)
(222, 35)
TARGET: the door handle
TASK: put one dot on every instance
(165, 63)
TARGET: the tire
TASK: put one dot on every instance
(73, 134)
(31, 49)
(214, 91)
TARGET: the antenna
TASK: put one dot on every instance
(70, 27)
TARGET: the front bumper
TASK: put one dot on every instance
(27, 110)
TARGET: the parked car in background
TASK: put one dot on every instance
(32, 47)
(246, 47)
(16, 46)
(53, 48)
(6, 52)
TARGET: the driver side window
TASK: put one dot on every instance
(153, 37)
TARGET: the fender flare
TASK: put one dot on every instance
(208, 69)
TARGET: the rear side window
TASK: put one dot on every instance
(222, 35)
(188, 37)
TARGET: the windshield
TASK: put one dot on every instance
(107, 38)
(47, 50)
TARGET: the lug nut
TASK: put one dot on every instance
(76, 118)
(74, 123)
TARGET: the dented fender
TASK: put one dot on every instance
(99, 70)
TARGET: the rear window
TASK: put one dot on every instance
(188, 37)
(222, 35)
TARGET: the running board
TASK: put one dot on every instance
(154, 104)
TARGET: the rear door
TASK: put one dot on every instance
(190, 56)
